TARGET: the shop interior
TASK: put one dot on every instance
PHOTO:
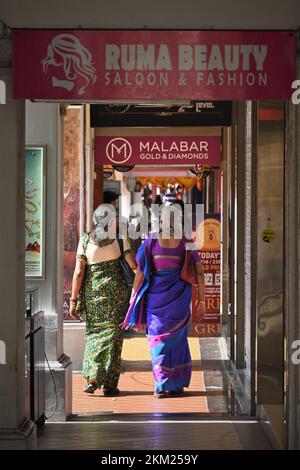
(144, 185)
(224, 344)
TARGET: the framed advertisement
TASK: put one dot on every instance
(35, 211)
(209, 248)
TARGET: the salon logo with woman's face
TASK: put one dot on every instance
(75, 62)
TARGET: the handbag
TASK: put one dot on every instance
(128, 274)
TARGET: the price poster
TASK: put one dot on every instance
(210, 253)
(35, 211)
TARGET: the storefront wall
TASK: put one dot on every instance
(12, 140)
(78, 209)
(248, 239)
(270, 170)
(16, 430)
(292, 272)
(43, 127)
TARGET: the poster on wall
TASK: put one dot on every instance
(209, 248)
(35, 165)
(72, 139)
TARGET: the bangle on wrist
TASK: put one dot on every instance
(73, 300)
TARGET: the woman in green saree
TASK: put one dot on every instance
(100, 296)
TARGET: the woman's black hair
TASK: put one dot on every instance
(109, 197)
(158, 200)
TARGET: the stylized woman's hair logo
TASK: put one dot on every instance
(65, 50)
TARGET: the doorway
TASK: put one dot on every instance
(211, 387)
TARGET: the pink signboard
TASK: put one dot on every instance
(160, 150)
(90, 65)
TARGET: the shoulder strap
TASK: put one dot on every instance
(85, 240)
(121, 245)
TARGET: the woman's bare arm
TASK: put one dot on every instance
(139, 276)
(130, 258)
(201, 307)
(76, 284)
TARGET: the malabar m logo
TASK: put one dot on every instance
(118, 150)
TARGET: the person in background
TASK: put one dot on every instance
(160, 303)
(158, 200)
(110, 197)
(100, 296)
(170, 196)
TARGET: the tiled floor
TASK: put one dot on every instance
(137, 396)
(136, 420)
(136, 385)
(155, 435)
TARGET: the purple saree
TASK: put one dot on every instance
(162, 304)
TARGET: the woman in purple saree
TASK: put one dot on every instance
(160, 303)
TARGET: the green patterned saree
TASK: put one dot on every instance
(103, 302)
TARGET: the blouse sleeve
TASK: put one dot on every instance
(82, 247)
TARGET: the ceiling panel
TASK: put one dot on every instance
(174, 14)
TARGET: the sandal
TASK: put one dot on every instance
(90, 387)
(160, 394)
